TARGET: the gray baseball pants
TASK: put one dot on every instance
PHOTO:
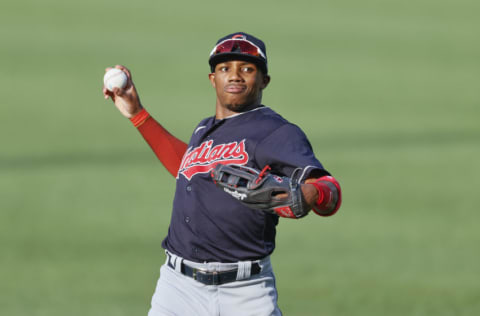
(180, 295)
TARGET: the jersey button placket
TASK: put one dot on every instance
(188, 188)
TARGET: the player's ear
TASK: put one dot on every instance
(211, 77)
(266, 81)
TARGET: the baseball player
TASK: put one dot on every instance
(243, 168)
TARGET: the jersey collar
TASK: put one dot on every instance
(238, 114)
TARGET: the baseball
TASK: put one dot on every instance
(115, 78)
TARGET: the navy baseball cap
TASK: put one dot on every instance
(241, 46)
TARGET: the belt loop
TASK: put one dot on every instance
(169, 259)
(174, 261)
(178, 264)
(244, 270)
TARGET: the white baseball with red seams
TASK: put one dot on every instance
(115, 78)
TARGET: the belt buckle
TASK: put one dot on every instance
(198, 271)
(207, 274)
(215, 279)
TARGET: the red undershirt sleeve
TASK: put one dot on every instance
(168, 149)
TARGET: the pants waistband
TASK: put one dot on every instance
(216, 273)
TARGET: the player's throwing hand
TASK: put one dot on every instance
(126, 100)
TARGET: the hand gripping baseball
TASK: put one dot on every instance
(262, 190)
(125, 99)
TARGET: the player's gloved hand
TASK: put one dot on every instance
(126, 100)
(262, 190)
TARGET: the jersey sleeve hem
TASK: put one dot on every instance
(140, 118)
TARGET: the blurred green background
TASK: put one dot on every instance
(387, 92)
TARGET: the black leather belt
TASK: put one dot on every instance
(215, 277)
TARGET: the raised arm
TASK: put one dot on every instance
(168, 149)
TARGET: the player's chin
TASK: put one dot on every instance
(239, 104)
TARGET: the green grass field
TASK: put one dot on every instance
(387, 92)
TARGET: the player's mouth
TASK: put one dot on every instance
(235, 88)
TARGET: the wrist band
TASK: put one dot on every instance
(321, 195)
(330, 199)
(140, 118)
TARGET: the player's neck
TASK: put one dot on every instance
(223, 111)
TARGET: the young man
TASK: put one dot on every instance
(217, 246)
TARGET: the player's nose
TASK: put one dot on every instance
(235, 75)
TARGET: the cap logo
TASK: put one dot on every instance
(241, 36)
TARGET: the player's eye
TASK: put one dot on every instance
(247, 69)
(223, 69)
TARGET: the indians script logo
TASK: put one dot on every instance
(204, 158)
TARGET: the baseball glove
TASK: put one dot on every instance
(262, 190)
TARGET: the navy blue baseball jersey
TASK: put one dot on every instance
(209, 225)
